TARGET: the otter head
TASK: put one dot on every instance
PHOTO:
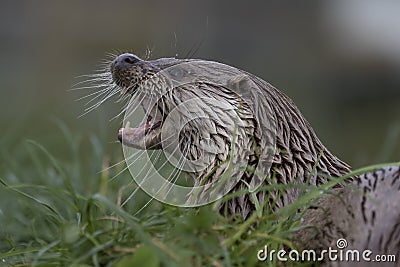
(129, 72)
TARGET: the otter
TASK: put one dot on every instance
(298, 155)
(364, 209)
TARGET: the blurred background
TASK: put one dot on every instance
(338, 60)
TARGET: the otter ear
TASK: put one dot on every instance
(239, 82)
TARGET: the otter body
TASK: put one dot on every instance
(296, 155)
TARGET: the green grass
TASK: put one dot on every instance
(63, 211)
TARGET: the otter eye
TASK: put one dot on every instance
(131, 59)
(125, 60)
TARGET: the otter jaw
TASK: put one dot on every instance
(145, 136)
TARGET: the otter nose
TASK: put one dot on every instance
(126, 60)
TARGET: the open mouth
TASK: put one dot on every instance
(145, 135)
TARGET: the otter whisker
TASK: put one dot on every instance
(105, 63)
(144, 206)
(98, 93)
(148, 53)
(123, 109)
(146, 176)
(126, 105)
(94, 77)
(178, 170)
(97, 74)
(181, 162)
(107, 92)
(112, 55)
(87, 85)
(129, 114)
(123, 98)
(115, 164)
(104, 86)
(94, 86)
(94, 106)
(136, 154)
